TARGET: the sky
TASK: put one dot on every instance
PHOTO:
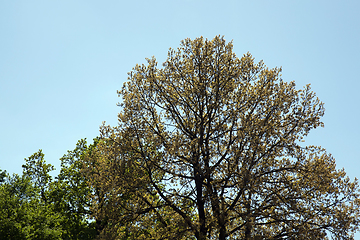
(61, 63)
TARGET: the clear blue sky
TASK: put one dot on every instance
(61, 63)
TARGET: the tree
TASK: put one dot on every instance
(25, 212)
(38, 171)
(217, 138)
(70, 195)
(34, 206)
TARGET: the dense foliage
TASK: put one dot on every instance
(34, 206)
(224, 133)
(207, 147)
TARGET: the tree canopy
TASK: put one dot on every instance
(24, 212)
(208, 146)
(218, 139)
(35, 206)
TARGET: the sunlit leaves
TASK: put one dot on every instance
(25, 209)
(226, 131)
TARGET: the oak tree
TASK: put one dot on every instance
(217, 139)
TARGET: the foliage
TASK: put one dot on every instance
(71, 195)
(34, 206)
(207, 147)
(24, 211)
(123, 204)
(216, 139)
(2, 176)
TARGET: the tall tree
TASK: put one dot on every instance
(217, 138)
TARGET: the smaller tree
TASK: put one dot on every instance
(38, 171)
(34, 206)
(70, 195)
(25, 212)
